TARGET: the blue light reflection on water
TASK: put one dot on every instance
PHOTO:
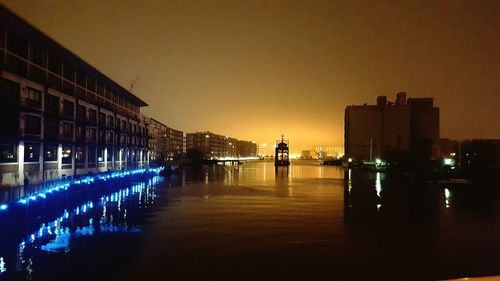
(2, 266)
(107, 214)
(87, 180)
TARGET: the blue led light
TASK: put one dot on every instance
(87, 180)
(3, 207)
(54, 236)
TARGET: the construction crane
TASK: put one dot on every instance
(133, 82)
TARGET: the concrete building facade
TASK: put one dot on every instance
(373, 131)
(328, 152)
(247, 149)
(424, 122)
(219, 146)
(165, 143)
(61, 116)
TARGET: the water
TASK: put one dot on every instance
(247, 222)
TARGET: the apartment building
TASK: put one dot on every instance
(61, 116)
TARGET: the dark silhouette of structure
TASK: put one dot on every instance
(375, 131)
(480, 160)
(282, 153)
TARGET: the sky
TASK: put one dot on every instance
(257, 69)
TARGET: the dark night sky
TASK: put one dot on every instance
(239, 67)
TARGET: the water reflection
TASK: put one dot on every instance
(308, 216)
(283, 181)
(447, 197)
(2, 266)
(105, 215)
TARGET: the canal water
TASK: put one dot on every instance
(249, 222)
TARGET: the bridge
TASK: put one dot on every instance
(231, 160)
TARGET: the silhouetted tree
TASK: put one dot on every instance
(480, 159)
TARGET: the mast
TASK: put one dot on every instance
(371, 149)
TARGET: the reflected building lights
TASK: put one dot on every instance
(3, 269)
(349, 181)
(87, 180)
(56, 236)
(378, 184)
(447, 197)
(29, 269)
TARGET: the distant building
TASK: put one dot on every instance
(424, 123)
(325, 152)
(175, 143)
(230, 147)
(61, 116)
(210, 144)
(373, 131)
(157, 143)
(247, 149)
(218, 146)
(308, 155)
(166, 143)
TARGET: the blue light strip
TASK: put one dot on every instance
(87, 180)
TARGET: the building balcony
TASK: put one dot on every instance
(80, 139)
(31, 105)
(90, 140)
(91, 121)
(68, 138)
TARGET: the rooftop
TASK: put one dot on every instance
(16, 24)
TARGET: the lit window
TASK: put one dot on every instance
(8, 153)
(31, 152)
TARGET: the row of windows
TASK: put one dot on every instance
(33, 99)
(32, 127)
(31, 61)
(8, 153)
(31, 153)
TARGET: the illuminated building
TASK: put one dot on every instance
(308, 155)
(212, 145)
(157, 143)
(61, 116)
(175, 143)
(325, 152)
(230, 147)
(247, 149)
(165, 143)
(373, 131)
(218, 146)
